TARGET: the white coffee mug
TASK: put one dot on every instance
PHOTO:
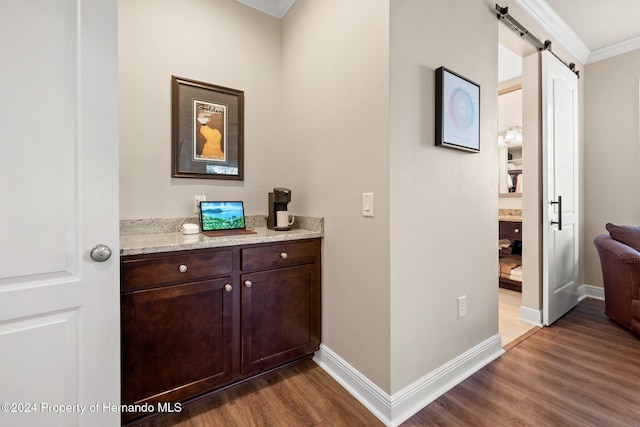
(284, 219)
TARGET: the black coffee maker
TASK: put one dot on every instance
(278, 201)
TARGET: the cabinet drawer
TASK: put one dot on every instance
(162, 270)
(280, 255)
(510, 230)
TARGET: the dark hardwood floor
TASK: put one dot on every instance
(300, 395)
(582, 371)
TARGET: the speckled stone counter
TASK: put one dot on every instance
(513, 215)
(161, 235)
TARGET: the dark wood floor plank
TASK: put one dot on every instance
(438, 413)
(470, 409)
(230, 408)
(338, 406)
(614, 375)
(292, 402)
(564, 382)
(532, 380)
(497, 400)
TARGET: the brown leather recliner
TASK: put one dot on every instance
(620, 263)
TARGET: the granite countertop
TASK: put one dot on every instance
(512, 215)
(162, 235)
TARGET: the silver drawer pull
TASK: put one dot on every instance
(284, 255)
(182, 268)
(248, 283)
(517, 230)
(228, 287)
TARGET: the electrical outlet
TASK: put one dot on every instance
(462, 306)
(196, 202)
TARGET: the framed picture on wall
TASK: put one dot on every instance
(457, 111)
(207, 130)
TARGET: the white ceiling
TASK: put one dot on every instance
(509, 64)
(277, 8)
(591, 30)
(600, 23)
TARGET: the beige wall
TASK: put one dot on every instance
(612, 151)
(336, 146)
(444, 202)
(215, 41)
(531, 199)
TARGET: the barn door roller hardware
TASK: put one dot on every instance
(503, 15)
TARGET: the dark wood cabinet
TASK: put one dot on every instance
(179, 341)
(195, 321)
(511, 230)
(280, 318)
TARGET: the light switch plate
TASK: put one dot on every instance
(462, 306)
(367, 204)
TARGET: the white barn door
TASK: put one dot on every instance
(59, 309)
(559, 188)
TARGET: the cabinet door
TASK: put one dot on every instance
(280, 316)
(510, 230)
(176, 341)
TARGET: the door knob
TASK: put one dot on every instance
(100, 253)
(248, 283)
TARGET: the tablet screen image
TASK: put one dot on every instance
(222, 215)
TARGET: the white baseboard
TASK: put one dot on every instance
(531, 315)
(588, 291)
(534, 316)
(364, 390)
(394, 409)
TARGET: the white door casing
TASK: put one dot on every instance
(59, 310)
(560, 226)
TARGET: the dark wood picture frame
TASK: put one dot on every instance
(207, 130)
(457, 111)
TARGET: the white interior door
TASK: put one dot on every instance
(559, 188)
(59, 310)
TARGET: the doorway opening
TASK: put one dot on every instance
(517, 317)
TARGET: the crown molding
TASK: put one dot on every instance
(614, 50)
(542, 13)
(539, 10)
(275, 8)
